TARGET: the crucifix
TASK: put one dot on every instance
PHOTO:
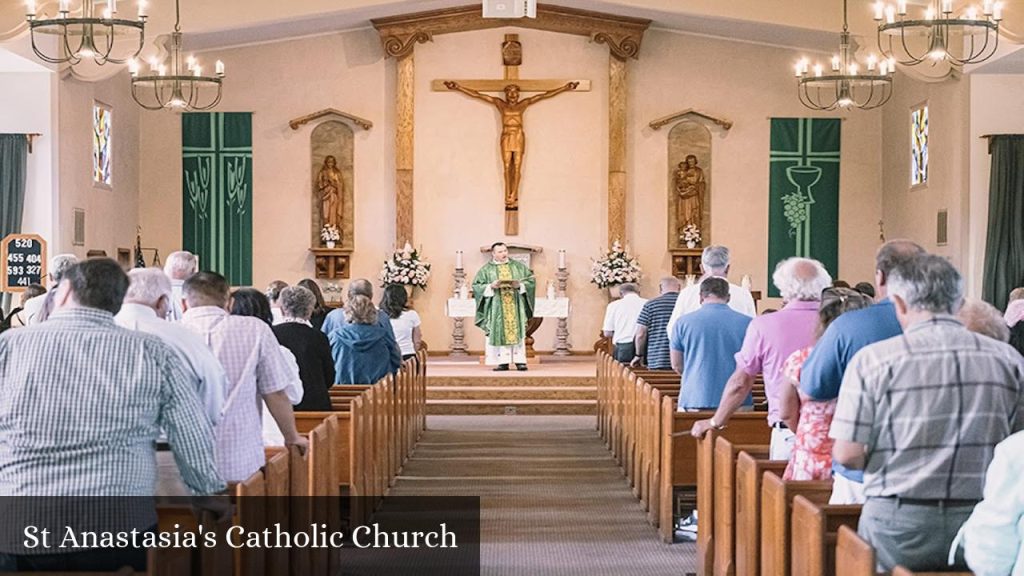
(511, 109)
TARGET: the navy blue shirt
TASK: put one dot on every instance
(654, 317)
(709, 339)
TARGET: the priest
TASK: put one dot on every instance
(504, 291)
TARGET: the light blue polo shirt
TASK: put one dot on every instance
(709, 339)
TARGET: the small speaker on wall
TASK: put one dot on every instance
(942, 228)
(510, 8)
(79, 234)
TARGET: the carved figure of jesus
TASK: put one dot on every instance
(331, 184)
(513, 136)
(690, 188)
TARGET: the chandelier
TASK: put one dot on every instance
(178, 85)
(979, 34)
(88, 36)
(845, 85)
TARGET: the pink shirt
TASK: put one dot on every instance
(770, 340)
(249, 352)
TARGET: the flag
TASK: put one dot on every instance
(140, 261)
(803, 192)
(217, 192)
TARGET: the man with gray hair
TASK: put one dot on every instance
(38, 309)
(620, 322)
(336, 319)
(714, 262)
(921, 415)
(146, 305)
(651, 340)
(769, 341)
(179, 266)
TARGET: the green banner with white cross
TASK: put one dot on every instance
(803, 192)
(217, 192)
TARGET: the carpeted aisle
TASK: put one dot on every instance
(553, 500)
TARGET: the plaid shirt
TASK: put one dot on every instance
(249, 352)
(930, 406)
(82, 402)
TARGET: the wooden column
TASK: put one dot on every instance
(616, 148)
(404, 104)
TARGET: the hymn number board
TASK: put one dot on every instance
(24, 257)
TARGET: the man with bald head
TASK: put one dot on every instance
(823, 371)
(336, 318)
(651, 339)
(769, 341)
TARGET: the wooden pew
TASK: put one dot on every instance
(718, 533)
(678, 461)
(854, 556)
(776, 504)
(901, 571)
(815, 530)
(251, 513)
(750, 472)
(276, 478)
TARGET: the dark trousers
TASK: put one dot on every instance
(98, 560)
(624, 352)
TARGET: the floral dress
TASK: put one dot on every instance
(811, 458)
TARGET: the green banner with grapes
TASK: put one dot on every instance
(803, 192)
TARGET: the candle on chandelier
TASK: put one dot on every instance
(879, 10)
(107, 13)
(929, 14)
(133, 67)
(890, 14)
(835, 63)
(872, 62)
(901, 7)
(817, 70)
(892, 65)
(142, 8)
(853, 69)
(947, 6)
(986, 8)
(197, 70)
(972, 13)
(154, 64)
(997, 11)
(30, 8)
(220, 68)
(162, 70)
(883, 68)
(112, 4)
(190, 62)
(561, 259)
(63, 6)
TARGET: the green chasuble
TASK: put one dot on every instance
(503, 316)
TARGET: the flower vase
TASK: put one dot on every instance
(330, 244)
(691, 245)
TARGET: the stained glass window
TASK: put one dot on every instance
(919, 146)
(101, 166)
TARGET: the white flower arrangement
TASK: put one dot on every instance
(330, 233)
(615, 267)
(691, 234)
(405, 267)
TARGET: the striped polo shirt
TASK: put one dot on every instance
(655, 316)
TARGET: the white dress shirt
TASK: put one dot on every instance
(272, 435)
(177, 295)
(740, 300)
(201, 366)
(993, 536)
(620, 317)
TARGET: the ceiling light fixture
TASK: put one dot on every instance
(90, 35)
(941, 30)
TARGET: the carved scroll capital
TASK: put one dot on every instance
(621, 46)
(399, 45)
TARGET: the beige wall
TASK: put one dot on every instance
(111, 215)
(457, 179)
(912, 213)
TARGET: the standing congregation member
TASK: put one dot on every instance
(1013, 316)
(273, 294)
(310, 347)
(247, 349)
(405, 322)
(992, 537)
(87, 425)
(363, 351)
(320, 310)
(714, 262)
(179, 266)
(17, 316)
(704, 345)
(620, 322)
(504, 291)
(921, 414)
(651, 340)
(146, 305)
(769, 342)
(823, 371)
(811, 458)
(983, 318)
(37, 309)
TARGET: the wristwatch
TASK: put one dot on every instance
(715, 425)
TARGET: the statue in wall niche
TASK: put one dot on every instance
(331, 185)
(690, 188)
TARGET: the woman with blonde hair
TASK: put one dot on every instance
(363, 350)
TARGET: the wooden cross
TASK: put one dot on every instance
(513, 137)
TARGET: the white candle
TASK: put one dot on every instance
(986, 8)
(142, 8)
(817, 70)
(972, 13)
(561, 259)
(190, 62)
(890, 14)
(197, 71)
(879, 10)
(799, 69)
(892, 65)
(133, 67)
(929, 14)
(883, 68)
(835, 63)
(947, 6)
(107, 13)
(902, 7)
(30, 7)
(458, 259)
(63, 6)
(161, 70)
(853, 69)
(997, 11)
(113, 6)
(872, 62)
(220, 72)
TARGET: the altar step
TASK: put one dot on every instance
(520, 393)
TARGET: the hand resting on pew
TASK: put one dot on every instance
(280, 407)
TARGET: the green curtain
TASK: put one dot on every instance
(1004, 250)
(13, 170)
(217, 192)
(803, 192)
